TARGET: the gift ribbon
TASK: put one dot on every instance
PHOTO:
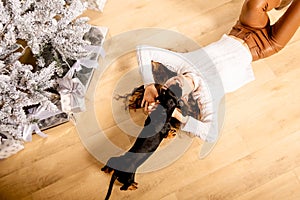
(99, 50)
(37, 113)
(72, 91)
(29, 129)
(72, 94)
(87, 61)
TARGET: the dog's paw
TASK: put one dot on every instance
(133, 186)
(107, 169)
(171, 133)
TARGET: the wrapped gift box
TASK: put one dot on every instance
(84, 72)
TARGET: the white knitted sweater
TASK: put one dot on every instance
(216, 69)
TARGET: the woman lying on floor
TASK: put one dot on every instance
(223, 66)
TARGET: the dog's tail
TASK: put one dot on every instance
(111, 184)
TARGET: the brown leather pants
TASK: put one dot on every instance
(254, 27)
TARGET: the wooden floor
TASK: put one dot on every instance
(257, 157)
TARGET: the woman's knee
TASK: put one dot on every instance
(261, 5)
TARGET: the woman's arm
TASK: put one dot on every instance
(172, 60)
(206, 127)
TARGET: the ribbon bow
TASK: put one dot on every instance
(35, 114)
(90, 61)
(72, 94)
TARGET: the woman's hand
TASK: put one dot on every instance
(149, 98)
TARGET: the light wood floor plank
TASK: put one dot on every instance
(46, 171)
(284, 187)
(248, 173)
(40, 148)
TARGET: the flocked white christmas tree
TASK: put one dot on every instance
(53, 33)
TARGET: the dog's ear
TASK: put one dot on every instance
(176, 89)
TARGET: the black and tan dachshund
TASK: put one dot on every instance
(158, 125)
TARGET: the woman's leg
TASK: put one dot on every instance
(285, 27)
(255, 29)
(254, 12)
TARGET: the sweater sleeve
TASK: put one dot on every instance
(207, 126)
(207, 131)
(172, 60)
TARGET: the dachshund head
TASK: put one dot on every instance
(170, 99)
